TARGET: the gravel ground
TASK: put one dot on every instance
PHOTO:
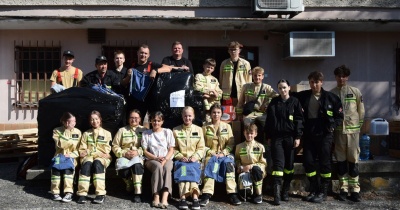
(21, 194)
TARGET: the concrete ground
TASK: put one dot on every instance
(34, 194)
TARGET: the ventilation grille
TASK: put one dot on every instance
(273, 4)
(96, 36)
(310, 44)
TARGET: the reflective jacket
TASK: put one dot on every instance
(189, 141)
(250, 92)
(243, 76)
(95, 142)
(250, 153)
(126, 139)
(353, 109)
(67, 141)
(205, 84)
(220, 140)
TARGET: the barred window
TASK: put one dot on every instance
(33, 68)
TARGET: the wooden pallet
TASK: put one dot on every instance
(18, 143)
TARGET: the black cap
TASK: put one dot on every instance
(100, 59)
(68, 53)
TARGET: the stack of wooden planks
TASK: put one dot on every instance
(18, 143)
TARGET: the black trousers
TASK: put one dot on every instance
(282, 153)
(317, 150)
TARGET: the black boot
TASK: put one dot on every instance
(285, 190)
(323, 192)
(313, 188)
(277, 194)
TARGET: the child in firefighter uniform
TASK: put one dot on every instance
(94, 151)
(66, 139)
(189, 149)
(126, 144)
(208, 85)
(283, 128)
(249, 159)
(347, 135)
(219, 142)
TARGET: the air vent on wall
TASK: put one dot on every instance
(96, 36)
(292, 7)
(309, 44)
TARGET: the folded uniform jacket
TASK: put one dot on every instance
(60, 162)
(216, 168)
(123, 162)
(187, 172)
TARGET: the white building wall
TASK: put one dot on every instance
(371, 57)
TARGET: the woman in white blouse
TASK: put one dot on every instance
(158, 146)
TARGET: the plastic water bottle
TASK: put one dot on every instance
(364, 147)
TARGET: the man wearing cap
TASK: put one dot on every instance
(67, 75)
(146, 67)
(101, 76)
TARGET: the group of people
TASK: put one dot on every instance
(314, 118)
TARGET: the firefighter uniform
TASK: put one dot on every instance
(219, 140)
(189, 142)
(347, 136)
(205, 84)
(66, 142)
(94, 142)
(250, 92)
(126, 139)
(322, 114)
(227, 76)
(251, 153)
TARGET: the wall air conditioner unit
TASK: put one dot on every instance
(292, 7)
(309, 44)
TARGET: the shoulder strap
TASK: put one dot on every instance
(149, 66)
(76, 77)
(259, 92)
(59, 80)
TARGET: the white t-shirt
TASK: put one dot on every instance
(158, 143)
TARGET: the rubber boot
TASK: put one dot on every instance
(128, 185)
(285, 190)
(313, 188)
(277, 194)
(323, 192)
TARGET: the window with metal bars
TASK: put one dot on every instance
(33, 68)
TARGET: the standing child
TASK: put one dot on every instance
(66, 139)
(249, 159)
(189, 149)
(284, 128)
(208, 85)
(94, 150)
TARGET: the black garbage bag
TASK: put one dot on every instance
(80, 102)
(168, 83)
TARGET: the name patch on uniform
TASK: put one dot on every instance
(224, 130)
(256, 149)
(195, 133)
(100, 138)
(349, 96)
(75, 135)
(213, 80)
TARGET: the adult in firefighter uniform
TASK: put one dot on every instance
(249, 159)
(322, 114)
(347, 135)
(94, 151)
(189, 148)
(126, 144)
(219, 142)
(66, 139)
(283, 128)
(234, 73)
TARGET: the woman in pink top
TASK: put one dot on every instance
(158, 146)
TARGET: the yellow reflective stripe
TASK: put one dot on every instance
(286, 171)
(277, 173)
(291, 117)
(137, 183)
(329, 113)
(350, 99)
(54, 177)
(328, 175)
(311, 174)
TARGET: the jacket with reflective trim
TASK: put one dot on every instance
(353, 109)
(205, 84)
(189, 141)
(250, 153)
(243, 76)
(250, 92)
(95, 142)
(128, 138)
(225, 142)
(67, 141)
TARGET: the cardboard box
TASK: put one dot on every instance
(228, 114)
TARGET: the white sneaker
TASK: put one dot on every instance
(56, 197)
(67, 198)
